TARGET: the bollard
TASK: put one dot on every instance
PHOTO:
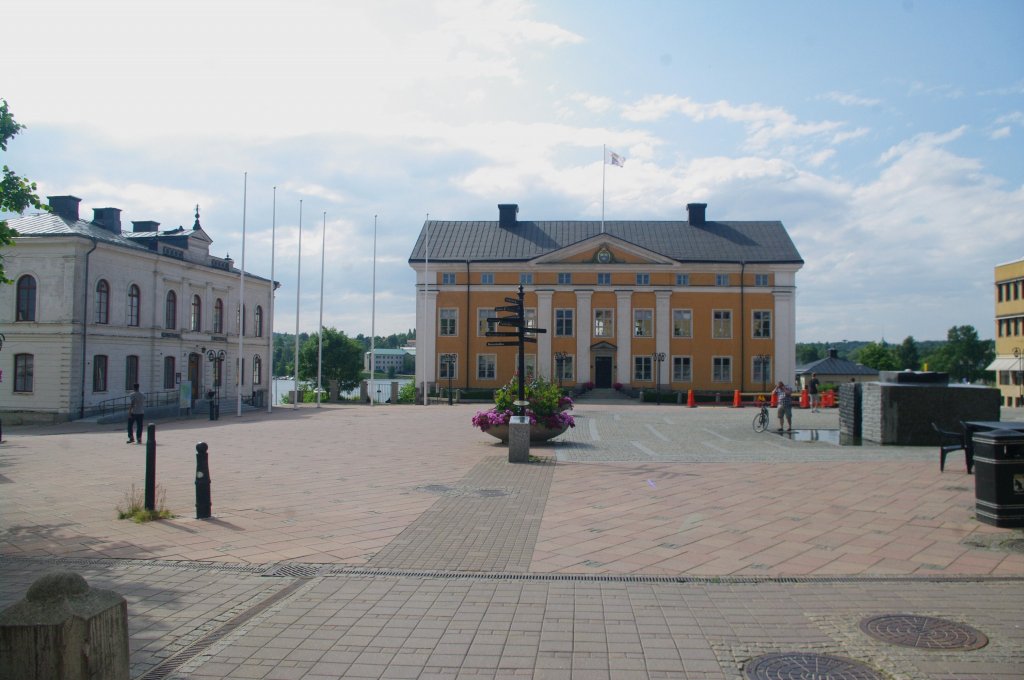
(202, 481)
(65, 630)
(737, 399)
(691, 401)
(151, 467)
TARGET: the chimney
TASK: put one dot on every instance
(144, 225)
(108, 218)
(65, 206)
(833, 353)
(507, 214)
(696, 213)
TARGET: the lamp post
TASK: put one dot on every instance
(449, 364)
(762, 361)
(656, 359)
(560, 358)
(1020, 374)
(216, 359)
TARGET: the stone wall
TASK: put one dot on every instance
(850, 409)
(902, 413)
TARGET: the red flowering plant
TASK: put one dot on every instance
(547, 406)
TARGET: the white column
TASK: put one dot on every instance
(662, 330)
(430, 337)
(544, 320)
(584, 327)
(785, 336)
(624, 336)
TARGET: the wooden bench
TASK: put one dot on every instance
(952, 441)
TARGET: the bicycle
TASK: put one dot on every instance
(762, 419)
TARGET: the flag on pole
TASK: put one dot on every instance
(612, 158)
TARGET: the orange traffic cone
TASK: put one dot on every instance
(737, 399)
(691, 402)
(775, 400)
(805, 399)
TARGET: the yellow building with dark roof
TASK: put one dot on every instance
(1009, 361)
(694, 304)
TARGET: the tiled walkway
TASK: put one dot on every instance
(396, 542)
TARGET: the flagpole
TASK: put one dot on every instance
(241, 301)
(604, 156)
(426, 283)
(270, 317)
(320, 345)
(373, 313)
(298, 286)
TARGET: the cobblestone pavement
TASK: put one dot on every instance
(395, 542)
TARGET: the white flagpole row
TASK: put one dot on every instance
(373, 314)
(320, 346)
(298, 286)
(604, 162)
(426, 283)
(270, 326)
(240, 365)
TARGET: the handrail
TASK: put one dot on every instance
(118, 404)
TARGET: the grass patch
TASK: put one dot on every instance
(133, 506)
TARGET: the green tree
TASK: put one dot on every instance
(907, 354)
(877, 355)
(808, 352)
(342, 359)
(17, 194)
(964, 355)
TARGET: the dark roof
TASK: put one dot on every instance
(835, 366)
(750, 242)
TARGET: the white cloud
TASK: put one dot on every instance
(1000, 133)
(847, 99)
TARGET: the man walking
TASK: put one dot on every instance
(812, 389)
(784, 394)
(136, 410)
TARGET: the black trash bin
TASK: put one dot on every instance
(999, 477)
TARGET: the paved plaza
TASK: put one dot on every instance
(398, 542)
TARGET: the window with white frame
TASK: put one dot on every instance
(762, 369)
(682, 279)
(721, 369)
(529, 365)
(643, 323)
(258, 319)
(721, 323)
(486, 366)
(257, 370)
(102, 302)
(721, 279)
(447, 278)
(196, 318)
(25, 308)
(525, 279)
(762, 323)
(565, 368)
(642, 368)
(448, 324)
(604, 323)
(482, 324)
(643, 279)
(169, 372)
(487, 278)
(682, 323)
(448, 366)
(564, 278)
(218, 316)
(530, 317)
(682, 369)
(171, 312)
(564, 322)
(131, 371)
(23, 372)
(604, 278)
(134, 299)
(761, 280)
(99, 373)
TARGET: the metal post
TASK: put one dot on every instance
(202, 481)
(657, 357)
(151, 467)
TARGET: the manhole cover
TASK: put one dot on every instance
(922, 632)
(798, 666)
(1013, 545)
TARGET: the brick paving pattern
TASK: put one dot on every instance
(653, 542)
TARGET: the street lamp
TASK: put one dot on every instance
(216, 359)
(1020, 374)
(560, 358)
(449, 364)
(657, 358)
(762, 361)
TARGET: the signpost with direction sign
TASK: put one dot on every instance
(523, 334)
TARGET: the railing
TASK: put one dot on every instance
(119, 404)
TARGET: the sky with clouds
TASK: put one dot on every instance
(886, 135)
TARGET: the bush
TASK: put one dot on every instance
(547, 405)
(407, 393)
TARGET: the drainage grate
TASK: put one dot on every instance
(296, 570)
(800, 666)
(176, 661)
(923, 632)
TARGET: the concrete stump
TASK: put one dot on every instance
(65, 630)
(519, 439)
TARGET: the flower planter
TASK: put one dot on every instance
(538, 432)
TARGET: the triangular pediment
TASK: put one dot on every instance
(603, 346)
(603, 250)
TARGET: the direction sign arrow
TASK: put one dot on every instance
(515, 301)
(505, 320)
(535, 330)
(511, 308)
(503, 344)
(501, 334)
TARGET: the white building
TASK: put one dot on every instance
(92, 310)
(386, 359)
